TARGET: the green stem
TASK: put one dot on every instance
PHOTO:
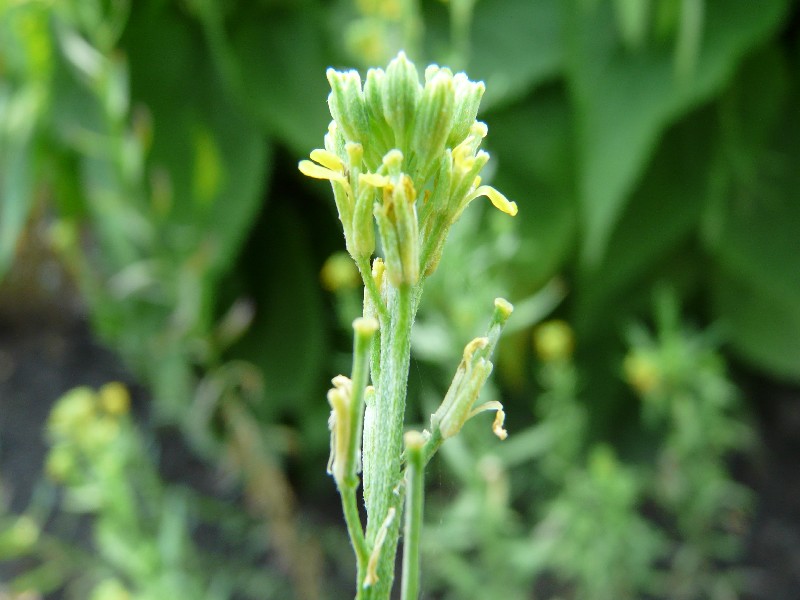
(415, 498)
(432, 446)
(362, 338)
(372, 289)
(354, 530)
(382, 473)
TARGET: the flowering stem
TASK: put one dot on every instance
(382, 470)
(388, 137)
(415, 483)
(354, 530)
(364, 329)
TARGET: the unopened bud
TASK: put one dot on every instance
(363, 232)
(373, 97)
(114, 398)
(365, 327)
(346, 103)
(553, 341)
(468, 96)
(401, 91)
(434, 121)
(399, 229)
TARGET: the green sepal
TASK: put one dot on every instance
(401, 92)
(379, 127)
(363, 225)
(434, 122)
(468, 96)
(346, 103)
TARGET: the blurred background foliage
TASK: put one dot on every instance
(653, 149)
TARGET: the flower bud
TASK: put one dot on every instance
(373, 98)
(468, 96)
(365, 328)
(377, 275)
(73, 412)
(399, 229)
(434, 122)
(339, 273)
(114, 398)
(61, 463)
(346, 103)
(401, 91)
(502, 311)
(363, 231)
(553, 341)
(334, 140)
(355, 156)
(414, 441)
(643, 372)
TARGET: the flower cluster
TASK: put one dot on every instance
(404, 155)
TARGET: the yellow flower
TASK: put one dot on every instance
(325, 165)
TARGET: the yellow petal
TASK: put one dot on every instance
(310, 169)
(499, 200)
(374, 179)
(327, 159)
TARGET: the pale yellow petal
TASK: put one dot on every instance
(327, 159)
(311, 169)
(374, 179)
(499, 200)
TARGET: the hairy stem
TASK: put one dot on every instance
(382, 473)
(415, 497)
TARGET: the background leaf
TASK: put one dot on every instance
(624, 100)
(752, 231)
(214, 157)
(260, 52)
(531, 143)
(516, 45)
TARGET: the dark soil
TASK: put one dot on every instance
(773, 546)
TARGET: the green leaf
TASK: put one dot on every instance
(753, 232)
(662, 214)
(214, 156)
(512, 46)
(274, 61)
(530, 143)
(624, 100)
(16, 175)
(287, 337)
(762, 325)
(516, 45)
(26, 50)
